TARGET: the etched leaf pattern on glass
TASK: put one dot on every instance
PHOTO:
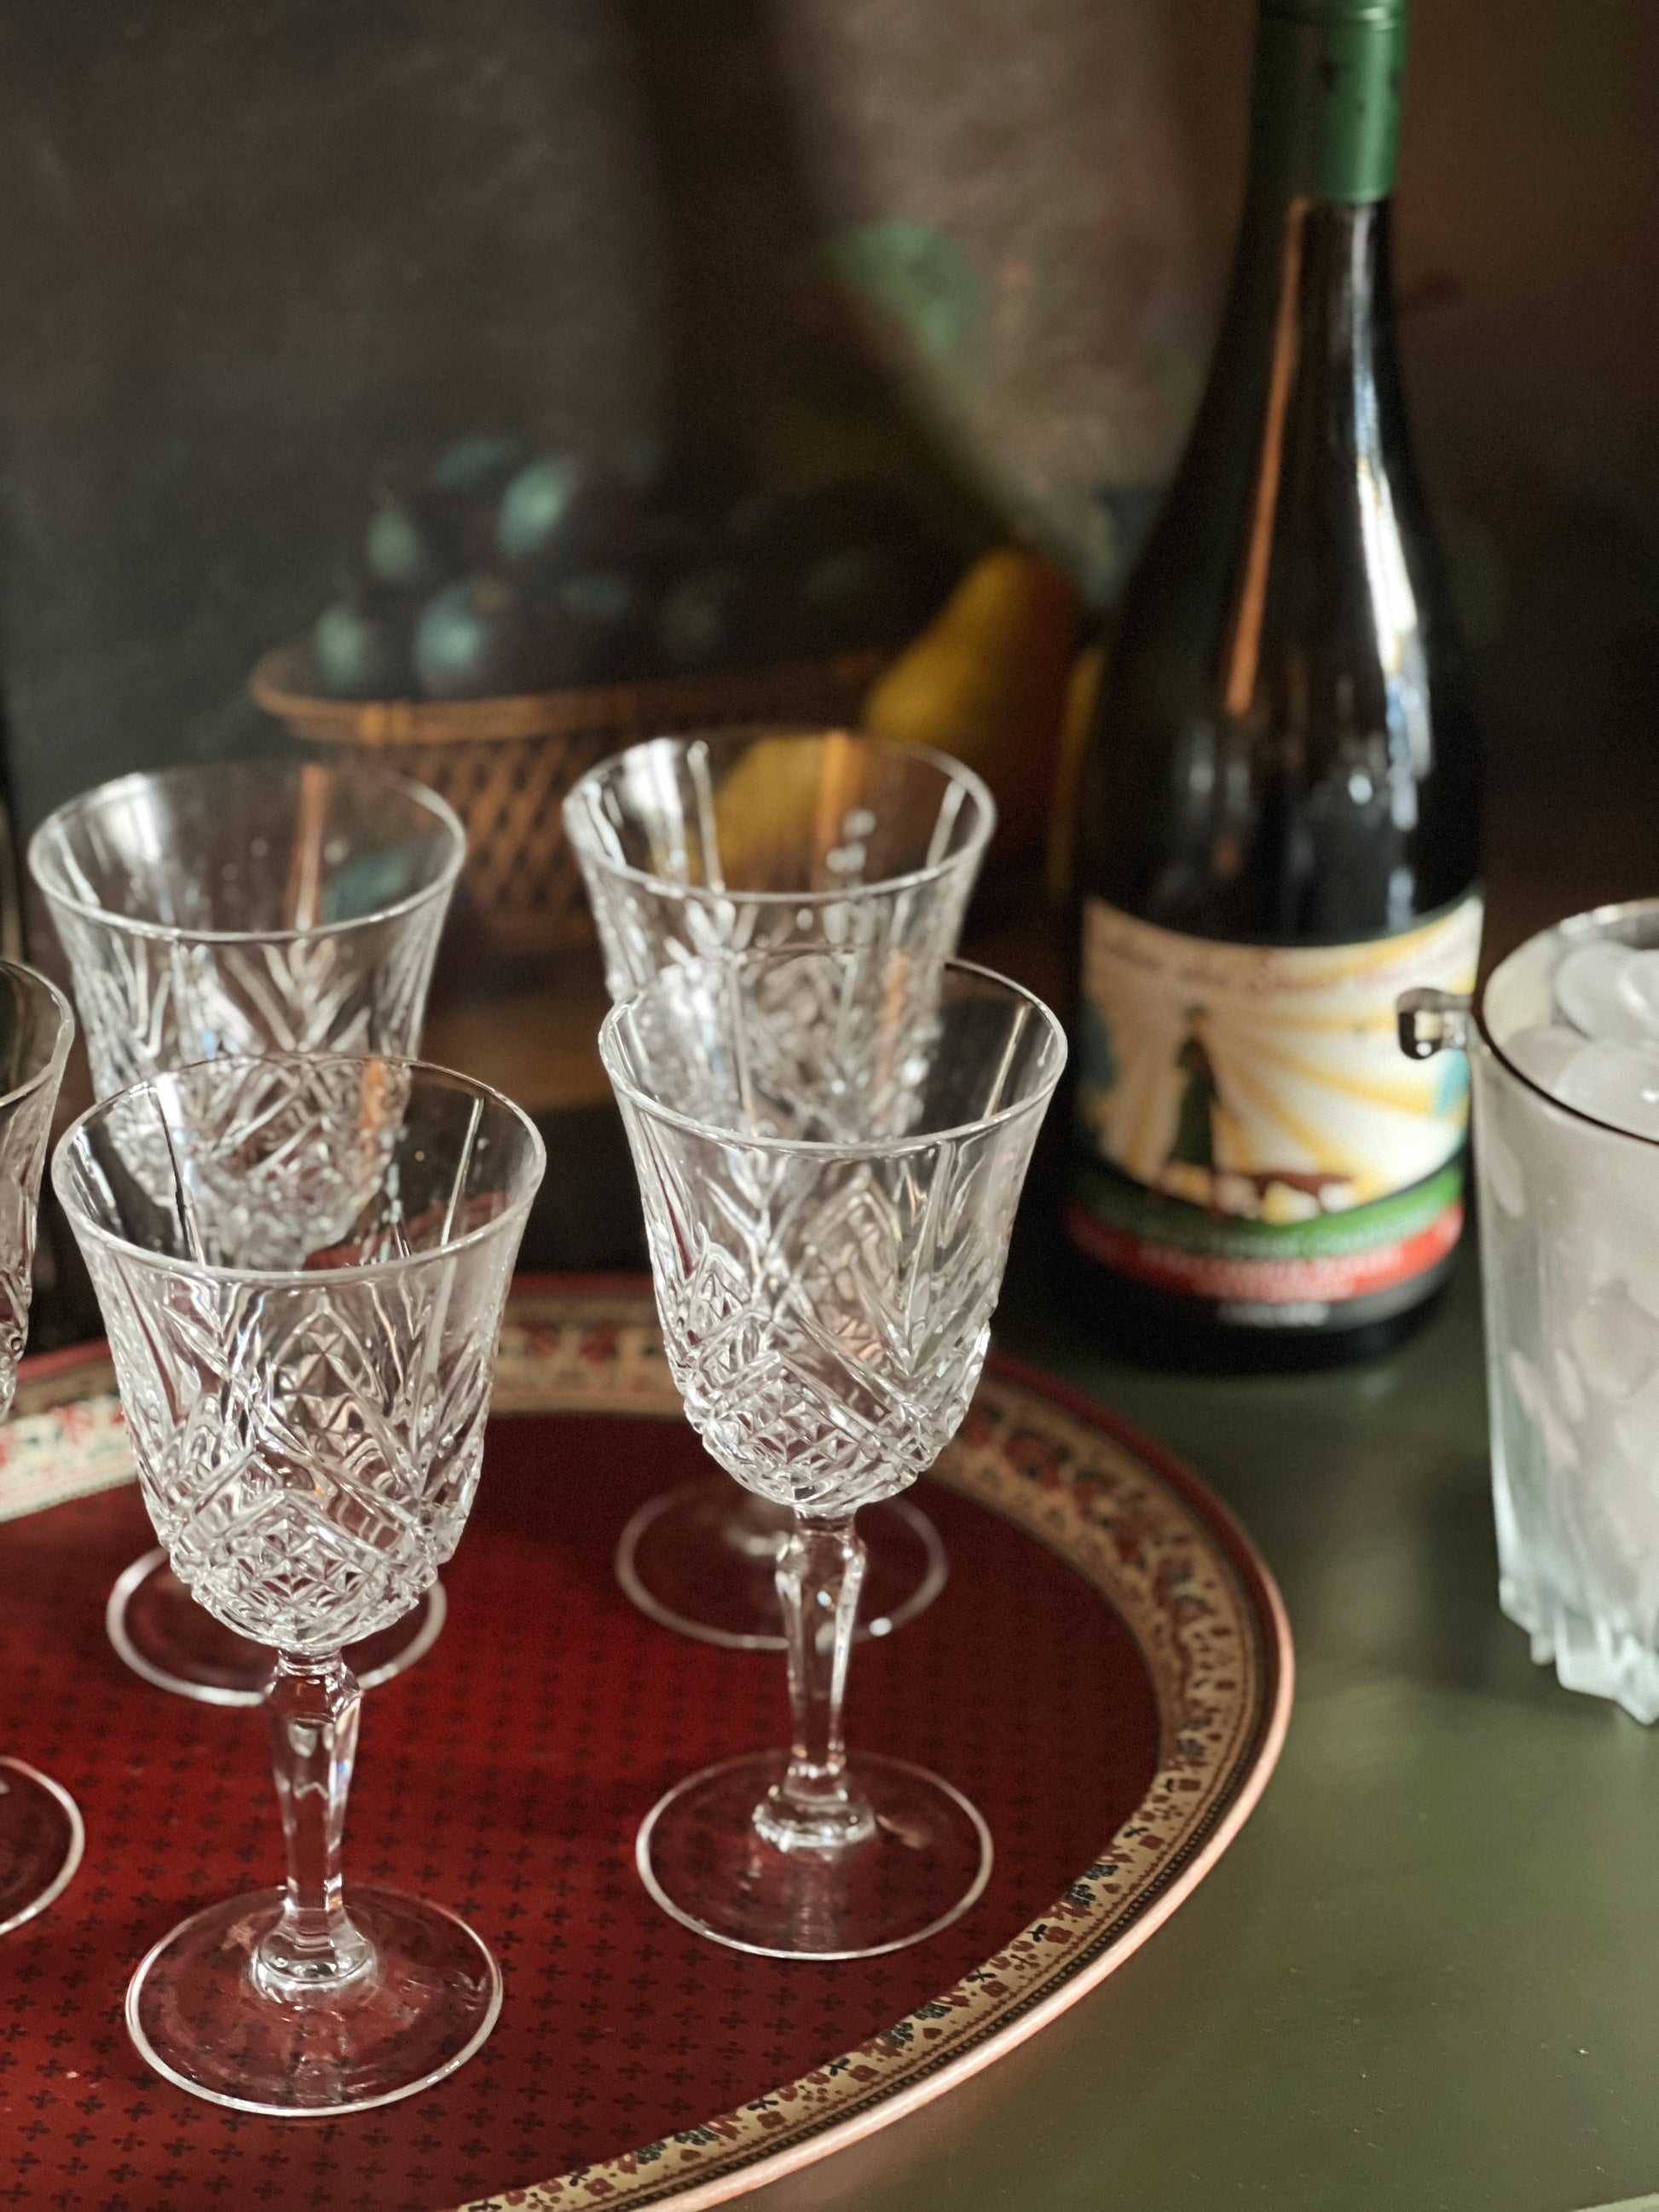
(307, 1423)
(826, 1323)
(151, 1002)
(844, 845)
(826, 1282)
(829, 1204)
(309, 1455)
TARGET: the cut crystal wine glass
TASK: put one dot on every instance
(743, 842)
(245, 908)
(40, 1834)
(308, 1430)
(825, 1275)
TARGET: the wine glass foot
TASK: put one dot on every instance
(427, 2005)
(689, 1560)
(703, 1859)
(162, 1634)
(42, 1840)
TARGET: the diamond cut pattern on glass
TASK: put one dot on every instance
(308, 1439)
(247, 907)
(826, 1277)
(152, 1003)
(309, 1455)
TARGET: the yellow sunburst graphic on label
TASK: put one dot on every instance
(1266, 1082)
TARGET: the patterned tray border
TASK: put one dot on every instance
(593, 1349)
(1127, 1517)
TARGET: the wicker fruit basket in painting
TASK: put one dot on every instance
(506, 764)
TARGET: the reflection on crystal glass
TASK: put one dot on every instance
(737, 844)
(245, 908)
(308, 1441)
(41, 1833)
(826, 1295)
(307, 1472)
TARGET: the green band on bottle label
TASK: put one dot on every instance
(1327, 1262)
(1326, 121)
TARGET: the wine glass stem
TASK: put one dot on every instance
(313, 1706)
(815, 1807)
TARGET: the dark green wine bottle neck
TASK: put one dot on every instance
(1325, 122)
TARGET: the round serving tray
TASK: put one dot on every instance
(1108, 1674)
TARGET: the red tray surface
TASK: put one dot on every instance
(505, 1775)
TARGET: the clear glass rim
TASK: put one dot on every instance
(865, 1148)
(967, 856)
(296, 1278)
(1593, 922)
(52, 1064)
(211, 772)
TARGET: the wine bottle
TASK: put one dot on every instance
(1278, 820)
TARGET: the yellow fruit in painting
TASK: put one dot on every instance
(780, 811)
(1075, 723)
(987, 681)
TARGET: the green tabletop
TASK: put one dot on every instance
(1427, 1974)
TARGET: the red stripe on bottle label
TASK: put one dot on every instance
(1327, 1280)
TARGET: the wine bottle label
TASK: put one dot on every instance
(1248, 1131)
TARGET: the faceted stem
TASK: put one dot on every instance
(815, 1808)
(313, 1706)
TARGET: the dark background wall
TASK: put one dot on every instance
(249, 251)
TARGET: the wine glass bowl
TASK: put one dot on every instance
(40, 1832)
(308, 1440)
(739, 845)
(244, 908)
(301, 1510)
(825, 1297)
(150, 1610)
(247, 907)
(758, 841)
